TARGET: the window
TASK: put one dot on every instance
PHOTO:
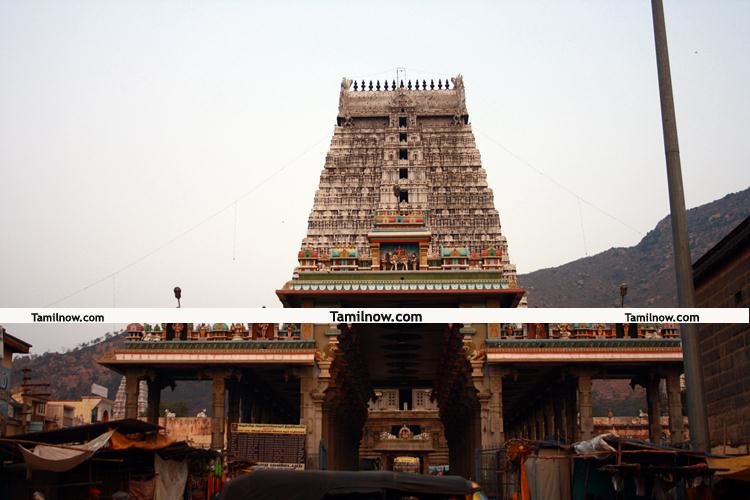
(402, 137)
(41, 409)
(420, 399)
(402, 121)
(403, 154)
(403, 197)
(403, 173)
(391, 399)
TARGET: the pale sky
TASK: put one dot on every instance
(124, 124)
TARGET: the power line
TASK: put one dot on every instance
(191, 228)
(558, 183)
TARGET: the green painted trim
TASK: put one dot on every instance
(377, 276)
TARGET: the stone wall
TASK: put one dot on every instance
(195, 430)
(726, 352)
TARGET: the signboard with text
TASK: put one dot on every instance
(275, 446)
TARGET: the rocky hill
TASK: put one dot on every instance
(647, 267)
(70, 374)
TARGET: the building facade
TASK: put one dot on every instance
(87, 410)
(722, 279)
(11, 410)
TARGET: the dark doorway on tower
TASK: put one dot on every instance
(403, 173)
(404, 396)
(403, 196)
(403, 154)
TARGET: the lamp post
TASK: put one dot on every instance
(177, 295)
(623, 293)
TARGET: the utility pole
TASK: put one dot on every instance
(696, 404)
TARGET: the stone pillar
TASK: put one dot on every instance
(131, 395)
(475, 442)
(154, 399)
(558, 417)
(217, 418)
(674, 401)
(549, 419)
(329, 434)
(654, 409)
(255, 408)
(491, 409)
(265, 411)
(571, 413)
(246, 404)
(233, 402)
(311, 409)
(585, 408)
(539, 421)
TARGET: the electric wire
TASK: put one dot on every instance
(558, 183)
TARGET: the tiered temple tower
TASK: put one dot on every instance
(403, 186)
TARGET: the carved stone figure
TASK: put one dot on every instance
(385, 436)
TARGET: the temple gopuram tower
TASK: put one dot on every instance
(403, 187)
(403, 217)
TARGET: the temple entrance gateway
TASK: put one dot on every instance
(404, 217)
